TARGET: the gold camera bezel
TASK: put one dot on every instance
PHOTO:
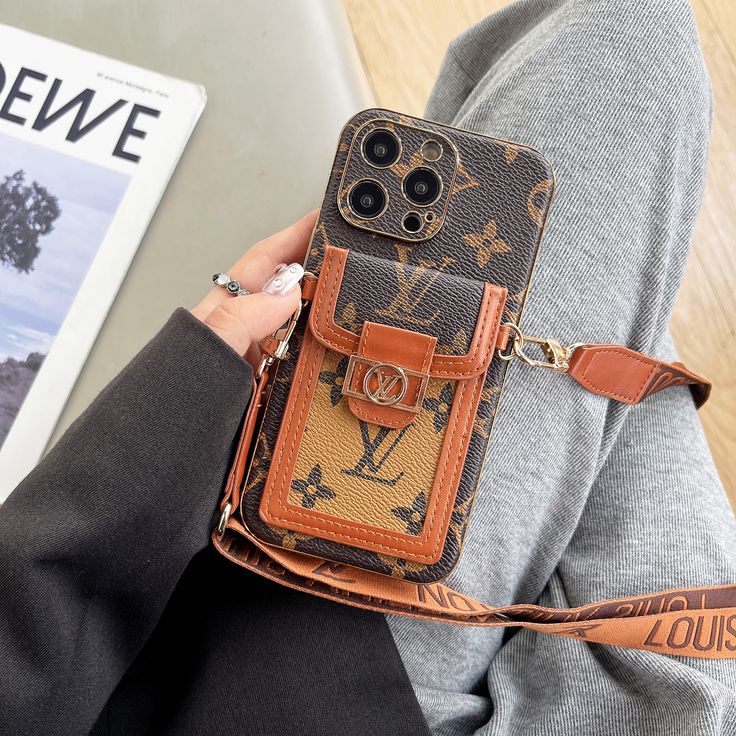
(379, 224)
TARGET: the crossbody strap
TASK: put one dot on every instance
(625, 375)
(696, 622)
(613, 371)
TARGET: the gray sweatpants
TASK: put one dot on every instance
(583, 499)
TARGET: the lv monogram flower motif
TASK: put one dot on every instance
(335, 379)
(413, 515)
(348, 319)
(441, 406)
(486, 411)
(312, 489)
(458, 346)
(399, 568)
(486, 244)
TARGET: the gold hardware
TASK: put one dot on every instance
(556, 356)
(383, 395)
(362, 146)
(388, 376)
(356, 145)
(286, 332)
(224, 516)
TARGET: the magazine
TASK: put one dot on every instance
(87, 146)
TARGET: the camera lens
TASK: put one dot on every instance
(367, 199)
(422, 186)
(381, 148)
(412, 223)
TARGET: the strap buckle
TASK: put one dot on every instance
(556, 356)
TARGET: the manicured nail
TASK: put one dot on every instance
(280, 267)
(284, 281)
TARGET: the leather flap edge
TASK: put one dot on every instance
(458, 367)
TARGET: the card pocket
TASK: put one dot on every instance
(382, 435)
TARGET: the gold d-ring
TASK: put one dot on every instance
(516, 345)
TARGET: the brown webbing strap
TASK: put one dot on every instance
(628, 376)
(694, 622)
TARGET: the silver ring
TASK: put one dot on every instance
(230, 285)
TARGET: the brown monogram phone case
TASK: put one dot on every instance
(378, 419)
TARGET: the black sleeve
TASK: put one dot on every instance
(94, 540)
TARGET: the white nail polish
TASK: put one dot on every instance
(284, 280)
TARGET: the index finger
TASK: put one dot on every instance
(287, 246)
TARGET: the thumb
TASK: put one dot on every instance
(244, 320)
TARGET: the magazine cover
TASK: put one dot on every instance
(87, 146)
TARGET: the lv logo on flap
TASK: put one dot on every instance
(385, 384)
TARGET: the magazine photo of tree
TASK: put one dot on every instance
(54, 213)
(27, 211)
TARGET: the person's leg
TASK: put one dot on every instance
(617, 96)
(656, 518)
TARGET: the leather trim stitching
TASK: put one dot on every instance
(439, 482)
(402, 552)
(342, 342)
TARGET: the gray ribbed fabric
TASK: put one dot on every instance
(582, 499)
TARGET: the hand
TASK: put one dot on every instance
(244, 320)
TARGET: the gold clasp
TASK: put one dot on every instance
(283, 335)
(556, 356)
(224, 516)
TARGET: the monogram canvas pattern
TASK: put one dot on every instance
(350, 469)
(368, 467)
(351, 517)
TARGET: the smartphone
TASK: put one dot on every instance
(369, 451)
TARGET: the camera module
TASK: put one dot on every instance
(381, 148)
(422, 186)
(367, 199)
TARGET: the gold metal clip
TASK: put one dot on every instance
(224, 516)
(556, 356)
(283, 335)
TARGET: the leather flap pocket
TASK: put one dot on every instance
(381, 407)
(390, 363)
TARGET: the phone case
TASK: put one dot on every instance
(378, 420)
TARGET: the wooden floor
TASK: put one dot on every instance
(413, 34)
